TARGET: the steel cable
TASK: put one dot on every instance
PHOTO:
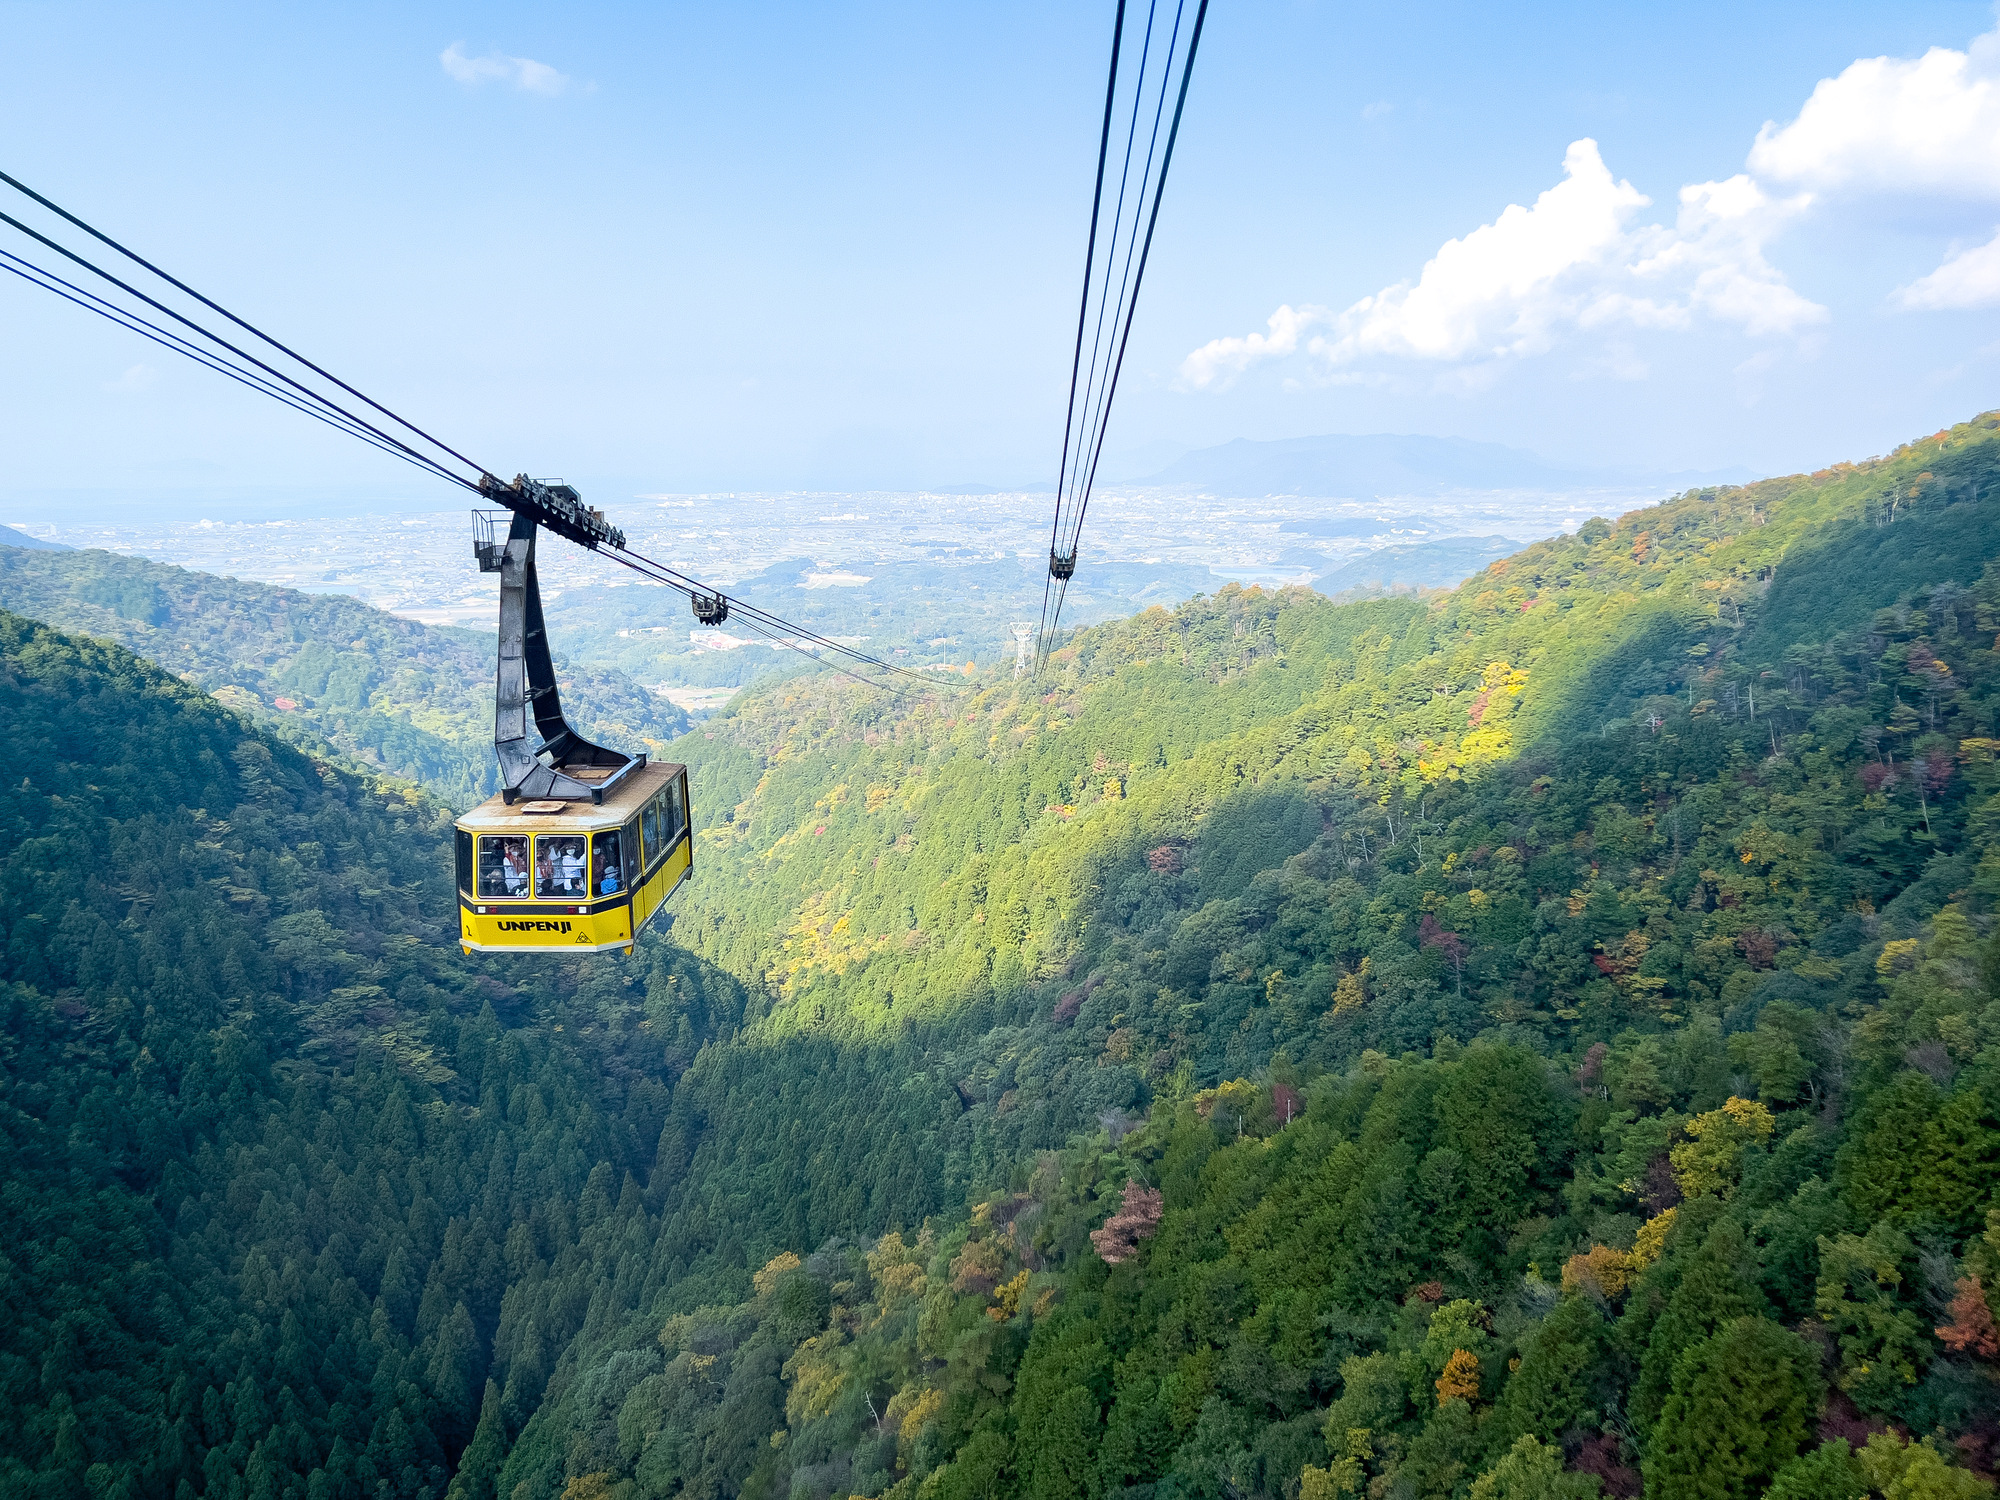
(64, 213)
(325, 409)
(216, 338)
(1083, 302)
(1076, 481)
(1091, 387)
(1065, 483)
(48, 281)
(1145, 253)
(1065, 539)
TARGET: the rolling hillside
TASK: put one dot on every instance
(262, 1129)
(1669, 835)
(412, 700)
(1537, 1040)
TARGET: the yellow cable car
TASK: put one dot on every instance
(573, 876)
(583, 844)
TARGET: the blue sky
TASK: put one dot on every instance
(673, 247)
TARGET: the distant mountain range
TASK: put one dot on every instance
(1431, 565)
(1368, 465)
(1035, 487)
(9, 537)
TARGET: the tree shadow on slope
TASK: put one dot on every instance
(1831, 580)
(1647, 659)
(1836, 579)
(1256, 828)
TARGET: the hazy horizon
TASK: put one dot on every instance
(794, 249)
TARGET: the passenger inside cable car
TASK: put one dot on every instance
(605, 860)
(503, 865)
(559, 865)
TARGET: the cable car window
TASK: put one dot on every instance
(607, 870)
(464, 842)
(503, 864)
(559, 865)
(634, 869)
(657, 808)
(676, 813)
(650, 817)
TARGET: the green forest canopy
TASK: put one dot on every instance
(1539, 1040)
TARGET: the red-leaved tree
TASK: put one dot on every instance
(1591, 1070)
(1450, 944)
(1971, 1329)
(1136, 1220)
(1285, 1103)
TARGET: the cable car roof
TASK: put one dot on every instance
(619, 807)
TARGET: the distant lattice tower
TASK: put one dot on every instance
(1023, 635)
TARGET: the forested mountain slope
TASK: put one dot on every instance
(1532, 1041)
(1631, 805)
(415, 701)
(1005, 835)
(276, 1163)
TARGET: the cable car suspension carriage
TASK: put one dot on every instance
(583, 844)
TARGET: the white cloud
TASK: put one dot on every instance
(1496, 290)
(1223, 359)
(1574, 260)
(1969, 279)
(1580, 260)
(523, 73)
(1905, 127)
(137, 378)
(1927, 125)
(1717, 245)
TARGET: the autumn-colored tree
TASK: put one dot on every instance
(977, 1267)
(1286, 1103)
(1600, 1270)
(1351, 993)
(1970, 1329)
(1460, 1380)
(1007, 1299)
(896, 1272)
(1651, 1239)
(1707, 1161)
(774, 1271)
(1137, 1218)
